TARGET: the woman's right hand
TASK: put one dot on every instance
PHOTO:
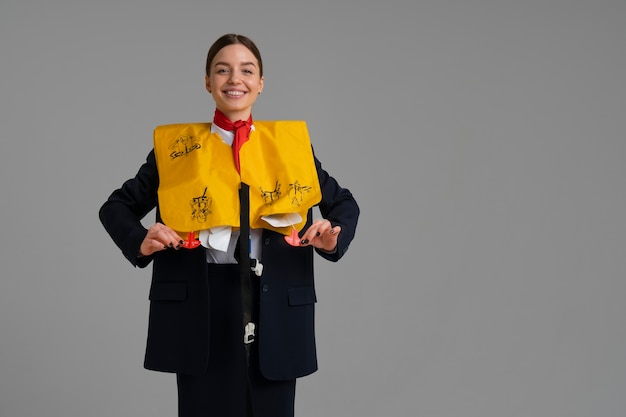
(159, 237)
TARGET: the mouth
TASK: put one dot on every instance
(234, 93)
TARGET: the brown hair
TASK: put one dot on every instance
(232, 39)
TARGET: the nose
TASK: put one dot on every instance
(234, 77)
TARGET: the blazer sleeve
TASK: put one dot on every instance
(339, 206)
(122, 212)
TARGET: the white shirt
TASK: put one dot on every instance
(217, 256)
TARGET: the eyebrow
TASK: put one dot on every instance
(242, 64)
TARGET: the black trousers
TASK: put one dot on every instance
(232, 386)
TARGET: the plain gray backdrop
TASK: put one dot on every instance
(483, 139)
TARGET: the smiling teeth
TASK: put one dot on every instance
(234, 93)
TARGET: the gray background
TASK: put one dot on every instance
(483, 139)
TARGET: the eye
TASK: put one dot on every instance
(221, 71)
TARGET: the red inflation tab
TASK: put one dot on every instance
(191, 241)
(293, 239)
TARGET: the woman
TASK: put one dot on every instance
(232, 293)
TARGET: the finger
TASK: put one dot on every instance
(324, 227)
(317, 232)
(149, 246)
(312, 232)
(164, 236)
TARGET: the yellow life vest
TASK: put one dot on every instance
(199, 184)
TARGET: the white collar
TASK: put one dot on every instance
(227, 136)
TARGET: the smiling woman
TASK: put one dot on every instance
(234, 78)
(232, 305)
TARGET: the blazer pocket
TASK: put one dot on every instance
(168, 291)
(302, 296)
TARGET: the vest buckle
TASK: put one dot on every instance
(256, 266)
(248, 336)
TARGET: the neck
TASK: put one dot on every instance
(235, 116)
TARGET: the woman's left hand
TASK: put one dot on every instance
(322, 235)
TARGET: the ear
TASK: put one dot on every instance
(207, 82)
(261, 84)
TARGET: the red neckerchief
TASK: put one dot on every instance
(240, 127)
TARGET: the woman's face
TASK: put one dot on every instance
(234, 81)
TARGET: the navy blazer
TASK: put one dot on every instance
(178, 329)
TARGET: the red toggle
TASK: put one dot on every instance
(191, 241)
(293, 239)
